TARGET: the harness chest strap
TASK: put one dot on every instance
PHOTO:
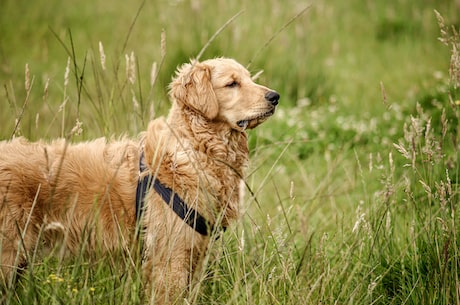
(187, 214)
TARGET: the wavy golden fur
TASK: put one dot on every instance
(69, 194)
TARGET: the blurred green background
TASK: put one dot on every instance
(334, 53)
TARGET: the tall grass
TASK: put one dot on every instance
(353, 183)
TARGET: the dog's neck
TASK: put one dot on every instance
(211, 147)
(215, 138)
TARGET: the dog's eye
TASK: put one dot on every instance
(232, 84)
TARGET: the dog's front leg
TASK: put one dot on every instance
(167, 276)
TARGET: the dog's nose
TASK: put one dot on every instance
(273, 97)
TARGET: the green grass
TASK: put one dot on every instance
(340, 215)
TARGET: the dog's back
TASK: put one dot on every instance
(46, 188)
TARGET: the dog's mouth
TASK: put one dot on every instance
(252, 122)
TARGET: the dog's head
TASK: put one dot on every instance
(221, 89)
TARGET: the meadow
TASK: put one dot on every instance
(353, 184)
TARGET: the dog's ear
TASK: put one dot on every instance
(192, 87)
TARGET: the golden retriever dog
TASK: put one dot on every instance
(170, 190)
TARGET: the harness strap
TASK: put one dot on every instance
(187, 214)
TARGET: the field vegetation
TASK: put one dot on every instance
(353, 187)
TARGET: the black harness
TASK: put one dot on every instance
(187, 214)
